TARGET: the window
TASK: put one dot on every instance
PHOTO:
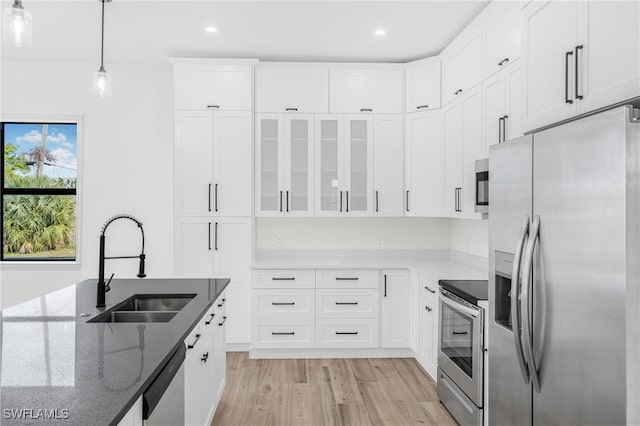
(39, 180)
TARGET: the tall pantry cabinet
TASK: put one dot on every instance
(213, 179)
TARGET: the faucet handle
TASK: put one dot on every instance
(107, 287)
(141, 273)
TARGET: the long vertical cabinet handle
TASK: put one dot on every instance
(209, 195)
(566, 77)
(215, 198)
(287, 198)
(377, 209)
(504, 128)
(407, 199)
(215, 237)
(340, 201)
(209, 235)
(527, 303)
(457, 200)
(280, 201)
(385, 285)
(500, 120)
(579, 47)
(515, 292)
(346, 198)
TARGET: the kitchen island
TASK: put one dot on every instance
(57, 367)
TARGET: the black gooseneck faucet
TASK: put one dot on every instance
(102, 286)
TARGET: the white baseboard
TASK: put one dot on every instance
(238, 346)
(331, 353)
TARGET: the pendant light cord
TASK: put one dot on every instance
(102, 41)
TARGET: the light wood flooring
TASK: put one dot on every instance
(319, 392)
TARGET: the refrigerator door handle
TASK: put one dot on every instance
(526, 301)
(515, 292)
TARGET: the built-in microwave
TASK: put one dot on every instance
(482, 186)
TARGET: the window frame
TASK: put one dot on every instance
(36, 262)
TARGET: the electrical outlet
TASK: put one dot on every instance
(279, 241)
(380, 242)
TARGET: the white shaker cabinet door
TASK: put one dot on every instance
(396, 309)
(388, 165)
(471, 131)
(193, 159)
(607, 53)
(302, 90)
(270, 147)
(493, 111)
(298, 165)
(453, 159)
(377, 91)
(549, 39)
(423, 87)
(358, 165)
(329, 158)
(216, 88)
(503, 37)
(194, 247)
(232, 163)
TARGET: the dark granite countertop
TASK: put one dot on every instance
(53, 359)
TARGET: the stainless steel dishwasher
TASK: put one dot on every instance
(163, 401)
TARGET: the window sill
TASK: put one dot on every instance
(8, 265)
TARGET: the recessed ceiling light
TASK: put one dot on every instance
(380, 33)
(211, 29)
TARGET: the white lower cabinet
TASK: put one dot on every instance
(347, 333)
(428, 330)
(396, 312)
(205, 366)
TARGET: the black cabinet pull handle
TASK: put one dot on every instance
(385, 285)
(504, 128)
(366, 110)
(347, 278)
(283, 303)
(224, 319)
(566, 77)
(343, 333)
(288, 333)
(579, 47)
(291, 109)
(205, 357)
(209, 196)
(209, 235)
(215, 237)
(193, 345)
(213, 106)
(457, 92)
(283, 278)
(502, 62)
(215, 198)
(429, 290)
(210, 319)
(280, 201)
(457, 200)
(428, 309)
(500, 120)
(459, 332)
(222, 303)
(346, 197)
(377, 210)
(340, 201)
(346, 303)
(407, 199)
(287, 201)
(422, 107)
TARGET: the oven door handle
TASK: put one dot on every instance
(454, 304)
(526, 302)
(515, 293)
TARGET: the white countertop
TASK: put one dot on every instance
(434, 264)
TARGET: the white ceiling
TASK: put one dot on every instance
(340, 31)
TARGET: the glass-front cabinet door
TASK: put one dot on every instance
(328, 165)
(298, 197)
(358, 165)
(269, 158)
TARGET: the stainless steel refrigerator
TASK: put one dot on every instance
(564, 226)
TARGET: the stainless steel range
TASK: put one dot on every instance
(461, 349)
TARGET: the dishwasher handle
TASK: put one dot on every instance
(156, 390)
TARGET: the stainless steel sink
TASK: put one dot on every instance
(146, 308)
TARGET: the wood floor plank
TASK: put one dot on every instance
(332, 392)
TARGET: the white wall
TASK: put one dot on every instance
(470, 236)
(128, 163)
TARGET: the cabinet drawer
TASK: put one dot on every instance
(347, 278)
(347, 333)
(284, 333)
(274, 302)
(283, 278)
(347, 303)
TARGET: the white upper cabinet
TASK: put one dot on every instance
(425, 168)
(548, 42)
(453, 159)
(423, 86)
(609, 60)
(298, 161)
(462, 68)
(329, 157)
(232, 163)
(213, 87)
(269, 163)
(358, 165)
(471, 133)
(502, 39)
(366, 90)
(388, 165)
(304, 90)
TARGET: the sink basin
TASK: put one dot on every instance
(146, 308)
